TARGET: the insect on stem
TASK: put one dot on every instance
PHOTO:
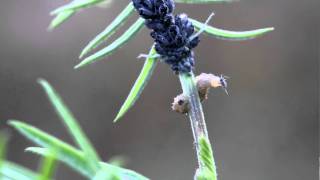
(196, 116)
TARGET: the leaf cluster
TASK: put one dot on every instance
(83, 158)
(150, 62)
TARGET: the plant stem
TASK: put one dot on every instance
(196, 116)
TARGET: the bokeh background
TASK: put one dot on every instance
(267, 128)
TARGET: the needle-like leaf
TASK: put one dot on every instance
(48, 166)
(12, 171)
(64, 151)
(111, 169)
(231, 35)
(76, 159)
(71, 123)
(204, 1)
(105, 34)
(139, 85)
(60, 18)
(76, 5)
(66, 154)
(114, 45)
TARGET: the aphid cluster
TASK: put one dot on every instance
(172, 33)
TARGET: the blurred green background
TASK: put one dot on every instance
(267, 128)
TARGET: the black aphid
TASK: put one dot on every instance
(170, 33)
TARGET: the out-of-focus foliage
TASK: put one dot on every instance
(84, 160)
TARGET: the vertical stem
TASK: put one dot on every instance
(197, 120)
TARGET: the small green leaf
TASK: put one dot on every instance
(231, 35)
(105, 34)
(76, 5)
(71, 123)
(60, 18)
(41, 151)
(48, 166)
(114, 45)
(139, 85)
(122, 172)
(12, 171)
(204, 1)
(65, 152)
(206, 157)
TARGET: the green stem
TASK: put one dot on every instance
(196, 116)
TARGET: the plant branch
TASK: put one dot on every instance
(196, 116)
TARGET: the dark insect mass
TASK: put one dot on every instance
(171, 33)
